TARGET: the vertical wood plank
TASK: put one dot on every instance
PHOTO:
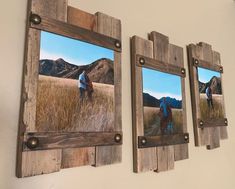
(161, 53)
(32, 163)
(223, 130)
(78, 157)
(111, 27)
(56, 9)
(176, 57)
(144, 159)
(40, 162)
(73, 157)
(81, 18)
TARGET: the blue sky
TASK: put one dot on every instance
(204, 75)
(73, 51)
(159, 84)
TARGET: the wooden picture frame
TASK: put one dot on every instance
(41, 152)
(156, 153)
(210, 129)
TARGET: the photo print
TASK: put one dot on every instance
(162, 101)
(75, 86)
(210, 90)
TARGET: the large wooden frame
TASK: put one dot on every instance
(156, 153)
(206, 133)
(41, 152)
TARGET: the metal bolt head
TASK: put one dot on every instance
(143, 141)
(186, 138)
(221, 69)
(32, 142)
(196, 62)
(141, 60)
(118, 44)
(35, 19)
(183, 71)
(118, 138)
(225, 121)
(201, 123)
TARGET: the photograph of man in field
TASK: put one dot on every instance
(162, 100)
(75, 90)
(210, 91)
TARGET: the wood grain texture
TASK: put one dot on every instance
(82, 19)
(217, 61)
(176, 58)
(162, 140)
(33, 163)
(56, 9)
(73, 140)
(40, 162)
(76, 32)
(161, 53)
(75, 157)
(144, 159)
(111, 27)
(160, 66)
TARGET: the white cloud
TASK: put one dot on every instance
(160, 95)
(52, 56)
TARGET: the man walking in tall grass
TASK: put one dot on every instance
(82, 84)
(209, 97)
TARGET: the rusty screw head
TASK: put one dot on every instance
(32, 142)
(186, 138)
(201, 123)
(118, 44)
(35, 19)
(221, 69)
(141, 60)
(196, 62)
(118, 138)
(226, 121)
(143, 141)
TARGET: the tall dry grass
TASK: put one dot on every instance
(59, 107)
(206, 112)
(152, 121)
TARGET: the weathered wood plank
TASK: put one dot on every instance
(82, 19)
(161, 53)
(73, 140)
(160, 66)
(111, 27)
(40, 162)
(144, 159)
(176, 57)
(76, 32)
(32, 163)
(56, 9)
(217, 61)
(75, 157)
(162, 140)
(208, 65)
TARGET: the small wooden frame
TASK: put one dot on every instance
(156, 152)
(43, 149)
(209, 118)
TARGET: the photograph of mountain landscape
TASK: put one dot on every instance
(162, 101)
(75, 89)
(210, 91)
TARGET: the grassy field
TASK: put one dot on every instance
(217, 112)
(152, 121)
(59, 107)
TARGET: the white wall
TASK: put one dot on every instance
(184, 21)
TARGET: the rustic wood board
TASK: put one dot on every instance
(210, 133)
(160, 55)
(55, 152)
